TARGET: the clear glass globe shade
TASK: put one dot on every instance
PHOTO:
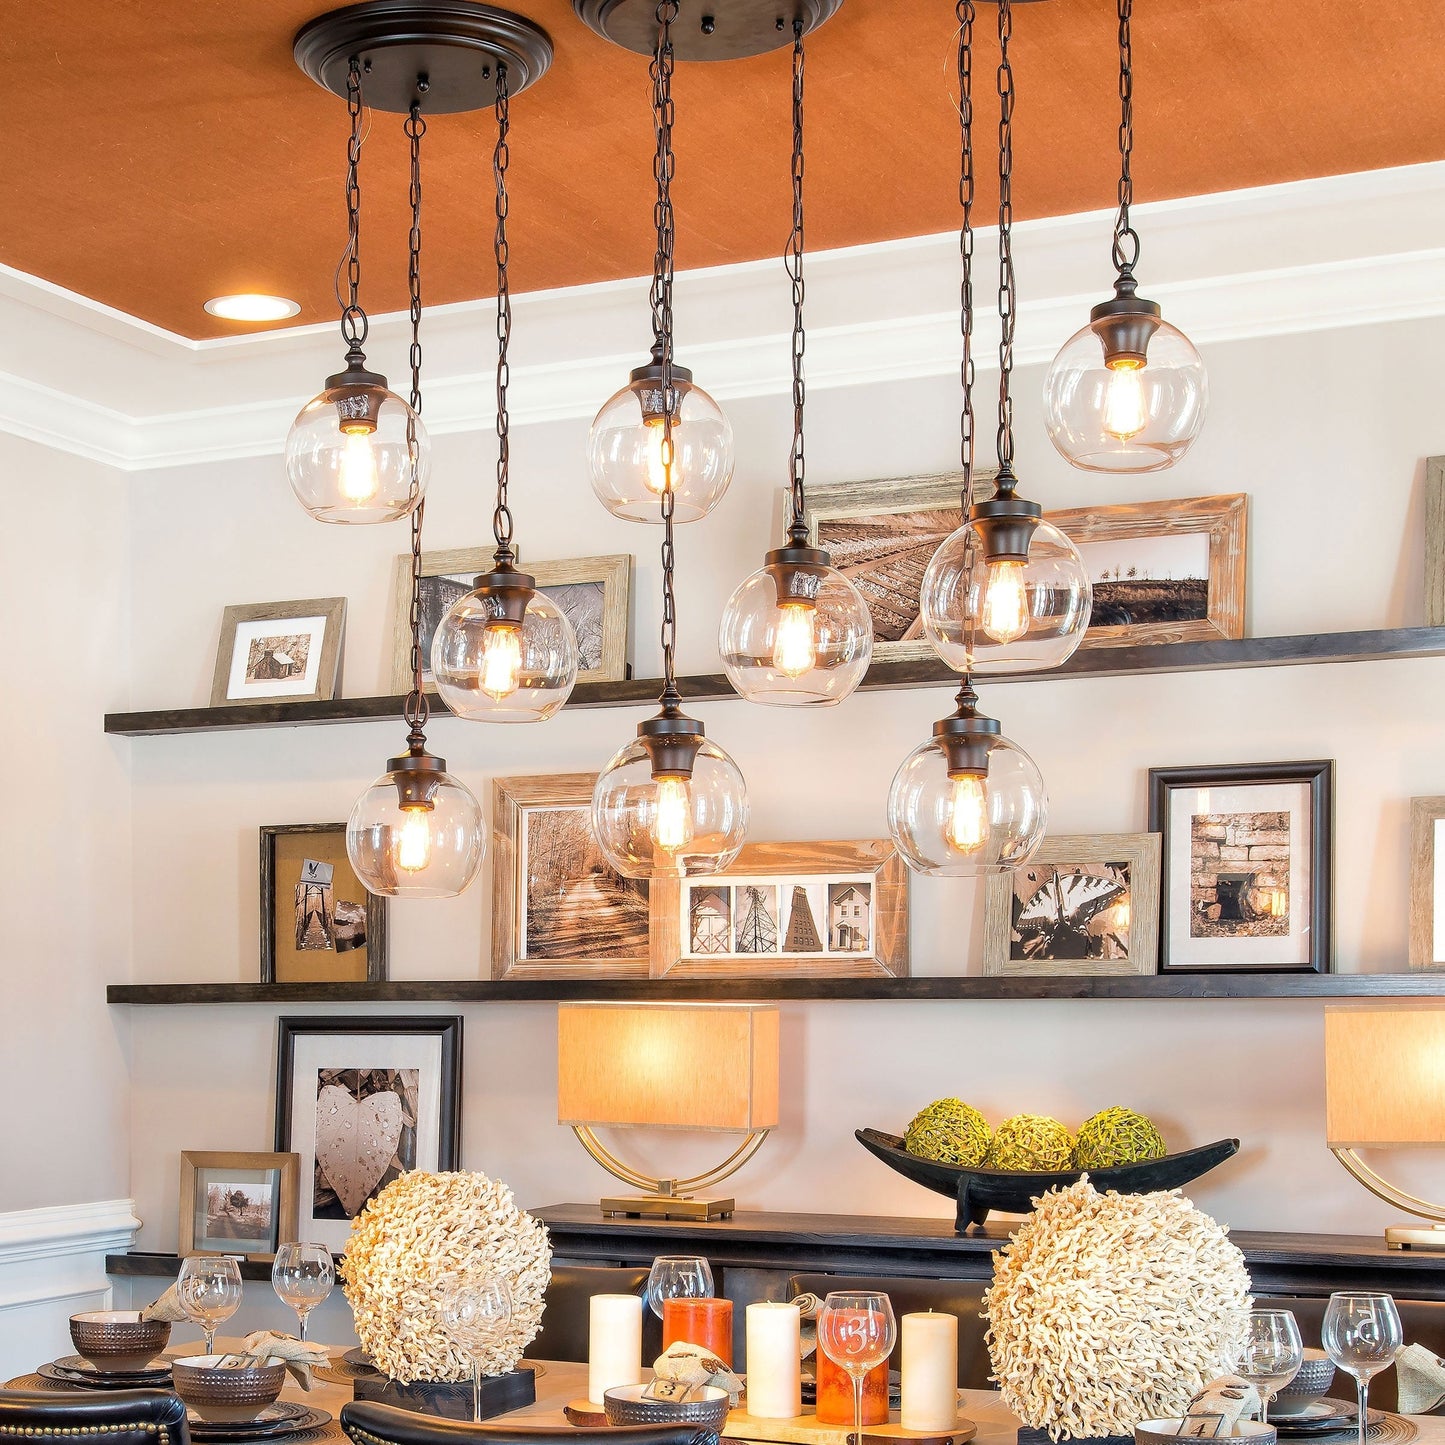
(652, 827)
(1139, 420)
(966, 827)
(354, 476)
(507, 675)
(624, 455)
(795, 656)
(416, 853)
(992, 619)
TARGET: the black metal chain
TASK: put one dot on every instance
(1126, 239)
(798, 530)
(965, 13)
(417, 710)
(501, 157)
(354, 324)
(662, 277)
(1007, 285)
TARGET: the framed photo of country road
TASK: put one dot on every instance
(558, 909)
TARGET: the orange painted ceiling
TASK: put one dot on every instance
(160, 152)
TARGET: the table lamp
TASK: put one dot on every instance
(668, 1066)
(1385, 1089)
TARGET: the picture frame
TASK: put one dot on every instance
(594, 592)
(237, 1203)
(1427, 884)
(274, 652)
(360, 1100)
(319, 924)
(1435, 541)
(1247, 866)
(1081, 906)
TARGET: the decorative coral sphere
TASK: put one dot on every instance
(950, 1132)
(1117, 1136)
(1030, 1143)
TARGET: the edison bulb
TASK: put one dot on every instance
(1124, 412)
(657, 468)
(501, 661)
(672, 825)
(401, 850)
(358, 468)
(967, 829)
(413, 840)
(796, 649)
(1005, 602)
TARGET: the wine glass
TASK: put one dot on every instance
(209, 1290)
(857, 1332)
(1361, 1333)
(302, 1275)
(1272, 1354)
(474, 1308)
(678, 1276)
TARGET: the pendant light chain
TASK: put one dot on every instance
(1126, 239)
(1007, 290)
(798, 530)
(417, 710)
(501, 157)
(965, 14)
(354, 325)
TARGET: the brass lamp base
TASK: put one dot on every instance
(671, 1206)
(1416, 1236)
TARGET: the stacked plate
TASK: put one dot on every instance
(75, 1370)
(275, 1422)
(1324, 1417)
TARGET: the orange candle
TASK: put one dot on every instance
(835, 1393)
(707, 1323)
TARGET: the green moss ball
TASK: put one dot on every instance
(948, 1131)
(1117, 1136)
(1032, 1143)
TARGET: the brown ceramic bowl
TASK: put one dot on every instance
(707, 1406)
(118, 1340)
(224, 1395)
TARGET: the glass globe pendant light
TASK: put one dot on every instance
(504, 652)
(1128, 392)
(416, 832)
(1007, 591)
(357, 453)
(630, 469)
(796, 632)
(969, 802)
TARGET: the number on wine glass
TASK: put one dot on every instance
(1361, 1334)
(678, 1276)
(857, 1331)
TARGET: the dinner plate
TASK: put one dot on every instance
(276, 1421)
(79, 1365)
(1322, 1417)
(80, 1380)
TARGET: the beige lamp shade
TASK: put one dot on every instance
(1384, 1077)
(668, 1066)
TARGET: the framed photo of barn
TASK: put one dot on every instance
(279, 652)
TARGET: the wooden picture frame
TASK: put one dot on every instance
(1247, 866)
(1102, 920)
(602, 637)
(406, 1071)
(296, 659)
(293, 903)
(266, 1185)
(1435, 541)
(1427, 884)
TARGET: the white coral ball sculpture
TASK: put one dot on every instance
(1109, 1309)
(419, 1228)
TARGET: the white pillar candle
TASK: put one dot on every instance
(775, 1386)
(930, 1372)
(614, 1343)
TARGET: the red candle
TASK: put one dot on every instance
(835, 1393)
(707, 1323)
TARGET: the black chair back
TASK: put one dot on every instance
(113, 1417)
(368, 1423)
(563, 1335)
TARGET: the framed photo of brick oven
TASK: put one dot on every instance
(1247, 864)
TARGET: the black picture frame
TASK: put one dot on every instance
(376, 911)
(1318, 775)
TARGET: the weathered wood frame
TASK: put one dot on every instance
(328, 672)
(287, 1217)
(1424, 813)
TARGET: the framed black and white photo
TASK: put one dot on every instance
(279, 652)
(591, 592)
(237, 1203)
(1248, 866)
(1080, 906)
(361, 1101)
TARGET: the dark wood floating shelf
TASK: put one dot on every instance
(1167, 985)
(1219, 655)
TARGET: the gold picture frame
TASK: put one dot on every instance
(1427, 883)
(278, 652)
(243, 1192)
(601, 623)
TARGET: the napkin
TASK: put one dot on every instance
(300, 1358)
(1218, 1408)
(167, 1307)
(1420, 1380)
(682, 1368)
(808, 1307)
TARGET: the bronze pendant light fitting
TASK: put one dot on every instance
(707, 29)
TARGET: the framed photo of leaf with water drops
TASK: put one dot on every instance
(361, 1101)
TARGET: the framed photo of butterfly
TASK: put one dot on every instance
(1080, 906)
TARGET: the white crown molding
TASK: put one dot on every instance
(66, 1229)
(1240, 265)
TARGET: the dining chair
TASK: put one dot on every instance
(368, 1423)
(115, 1417)
(565, 1311)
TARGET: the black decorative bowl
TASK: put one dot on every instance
(980, 1190)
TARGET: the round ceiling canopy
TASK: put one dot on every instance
(706, 29)
(442, 53)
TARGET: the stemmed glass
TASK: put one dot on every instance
(678, 1276)
(1361, 1333)
(1272, 1354)
(209, 1290)
(302, 1275)
(857, 1332)
(474, 1308)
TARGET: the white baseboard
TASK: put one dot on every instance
(52, 1265)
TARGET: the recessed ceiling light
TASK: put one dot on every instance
(251, 306)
